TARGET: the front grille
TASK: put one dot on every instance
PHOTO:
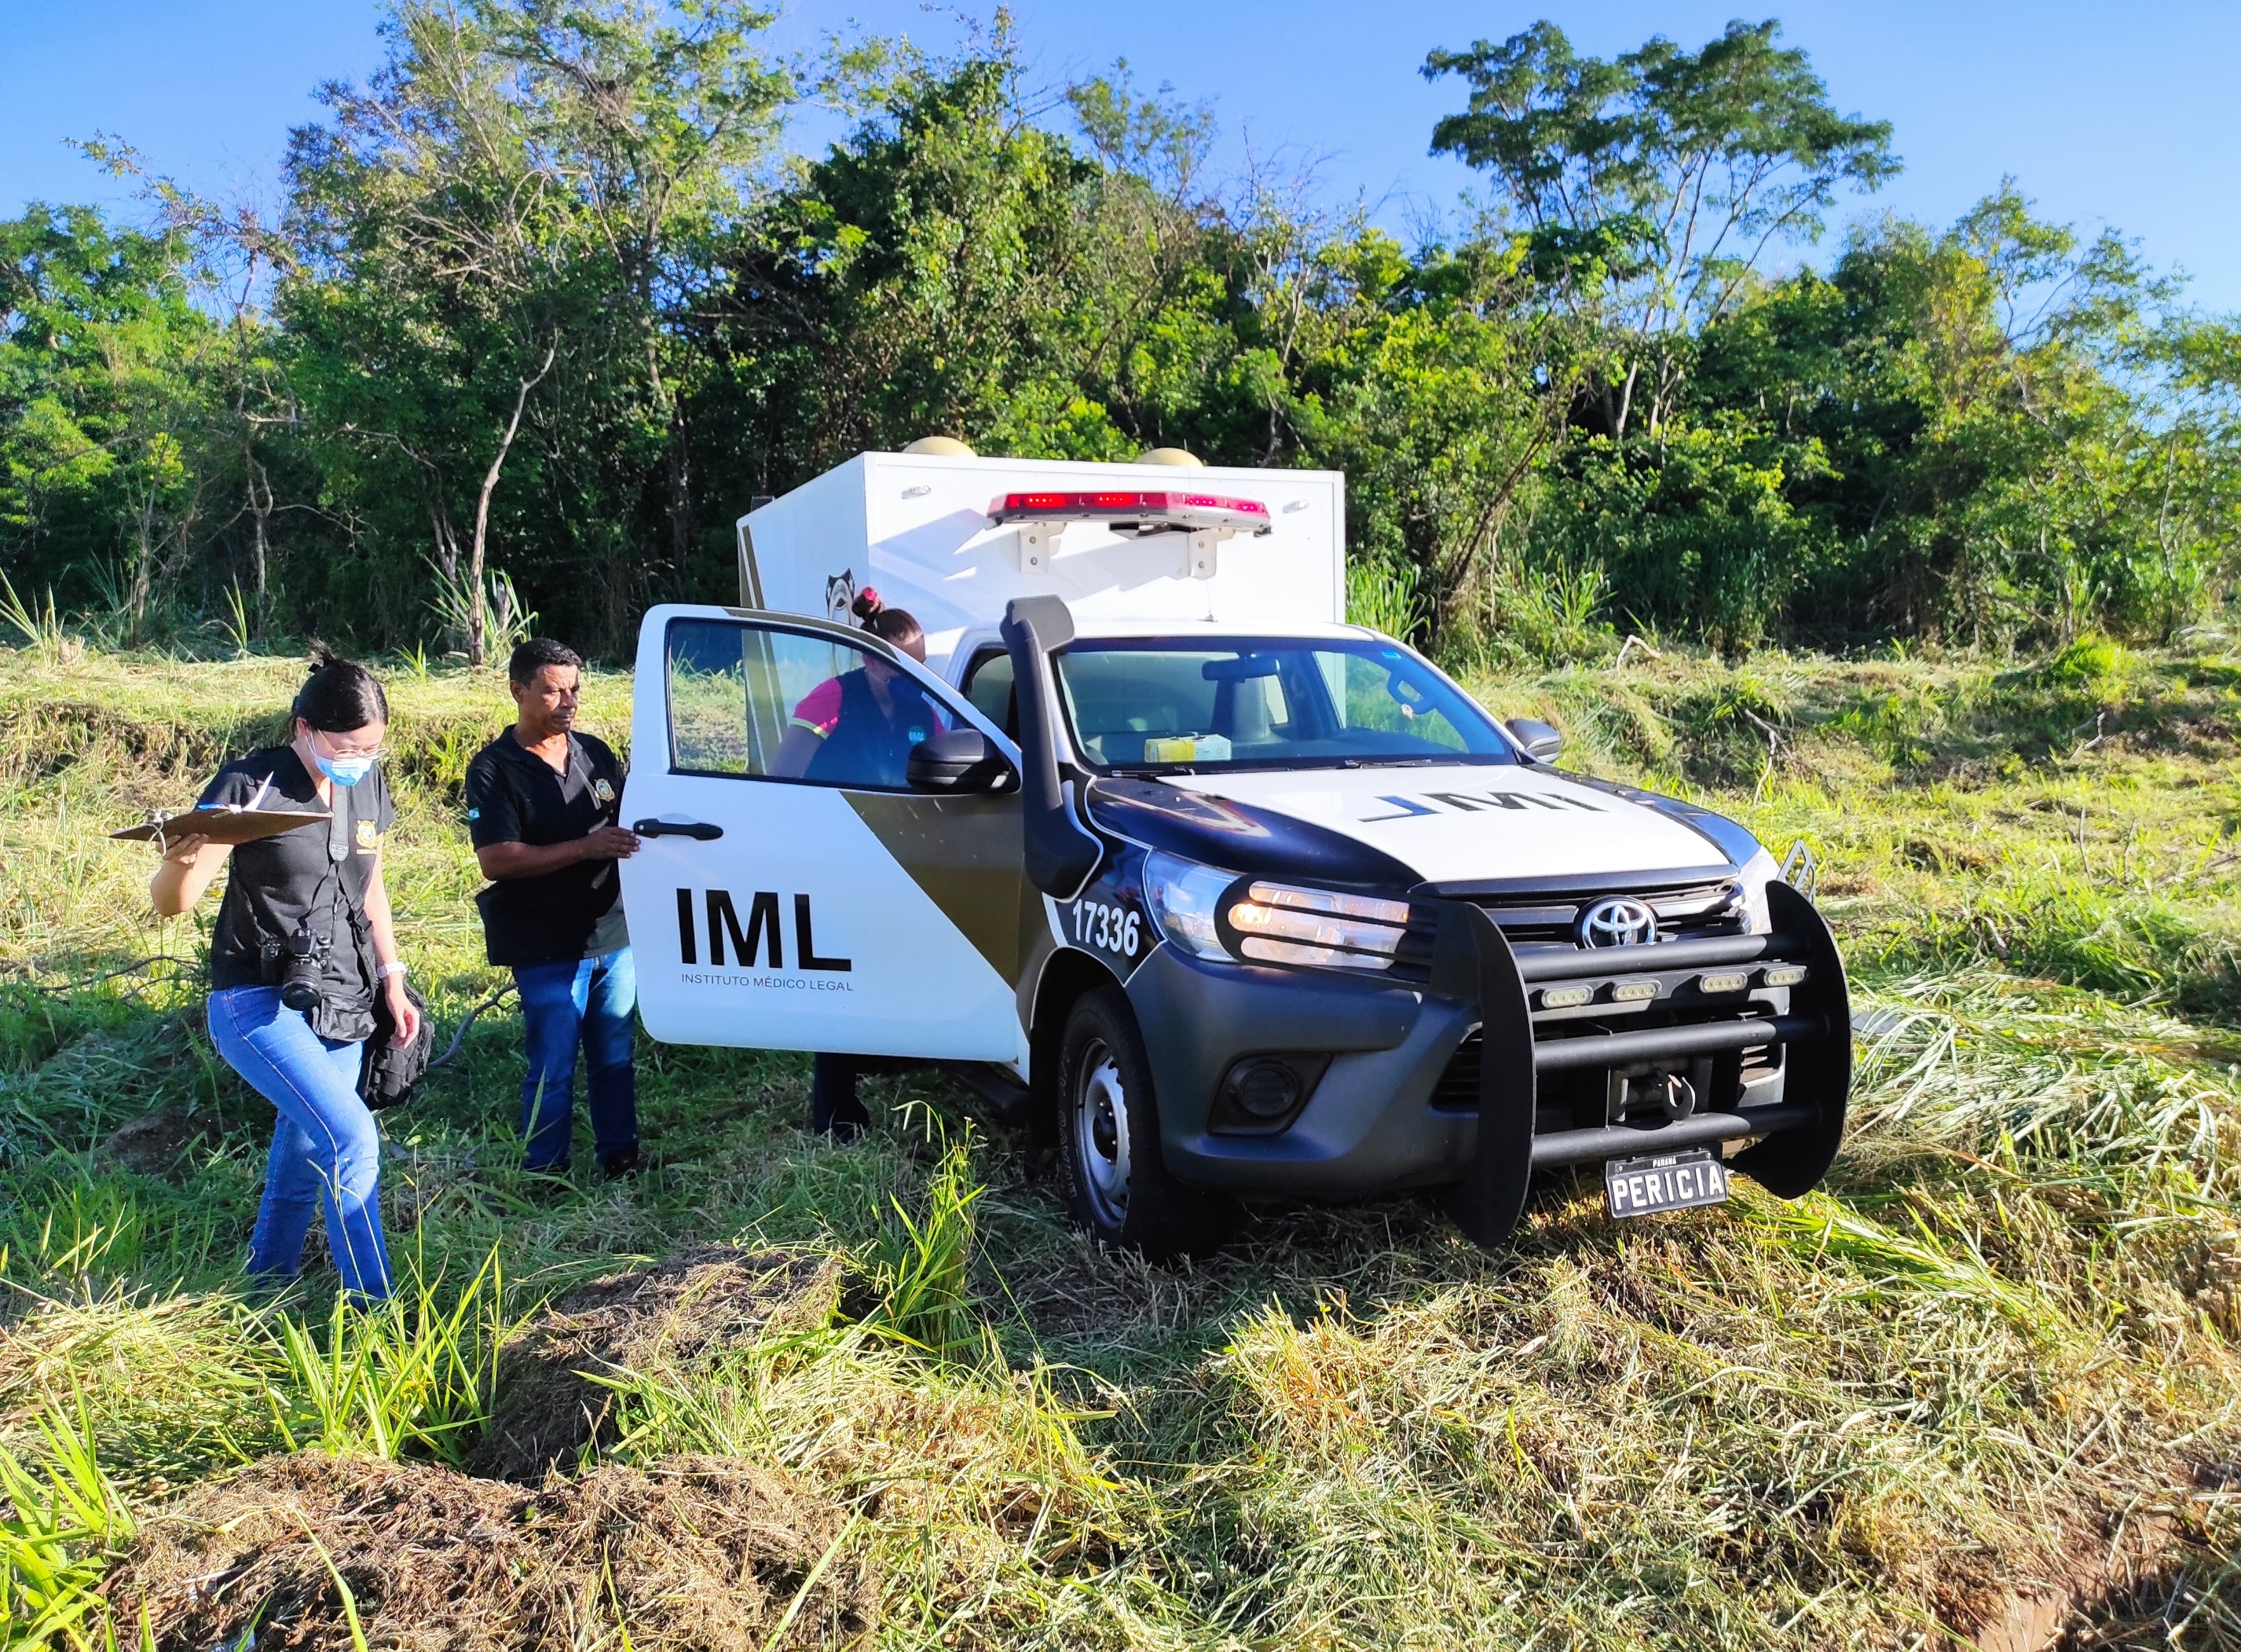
(1457, 1090)
(1574, 1098)
(1689, 912)
(1540, 923)
(1564, 1102)
(1760, 1061)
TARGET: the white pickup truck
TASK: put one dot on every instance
(1227, 898)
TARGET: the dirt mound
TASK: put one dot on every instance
(546, 1409)
(154, 1143)
(695, 1553)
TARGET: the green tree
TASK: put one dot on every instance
(924, 277)
(519, 206)
(1652, 185)
(1994, 426)
(117, 450)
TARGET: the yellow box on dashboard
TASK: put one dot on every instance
(1187, 748)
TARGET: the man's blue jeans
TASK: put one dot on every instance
(326, 1149)
(589, 1002)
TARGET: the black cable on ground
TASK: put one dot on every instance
(458, 1038)
(473, 1015)
(133, 968)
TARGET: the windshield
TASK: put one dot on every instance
(1171, 703)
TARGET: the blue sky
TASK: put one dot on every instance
(2122, 116)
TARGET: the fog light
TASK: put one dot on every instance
(1634, 992)
(1565, 997)
(1733, 983)
(1785, 975)
(1262, 1094)
(1266, 1089)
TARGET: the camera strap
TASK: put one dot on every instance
(338, 838)
(338, 828)
(341, 828)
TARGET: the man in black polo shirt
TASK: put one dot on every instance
(541, 807)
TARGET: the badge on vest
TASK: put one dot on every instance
(369, 839)
(602, 790)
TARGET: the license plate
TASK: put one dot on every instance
(1668, 1181)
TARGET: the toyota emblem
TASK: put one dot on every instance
(1618, 922)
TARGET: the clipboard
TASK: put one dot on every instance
(229, 823)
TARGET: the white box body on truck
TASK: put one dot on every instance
(1239, 899)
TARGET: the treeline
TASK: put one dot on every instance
(545, 304)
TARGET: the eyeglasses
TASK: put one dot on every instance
(333, 750)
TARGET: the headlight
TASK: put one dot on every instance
(1283, 925)
(1184, 896)
(1271, 923)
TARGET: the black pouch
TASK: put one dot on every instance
(388, 1074)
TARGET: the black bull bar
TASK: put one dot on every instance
(1798, 1136)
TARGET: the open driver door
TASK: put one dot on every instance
(830, 859)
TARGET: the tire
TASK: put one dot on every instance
(1108, 1137)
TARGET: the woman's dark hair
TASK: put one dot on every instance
(340, 695)
(536, 654)
(897, 626)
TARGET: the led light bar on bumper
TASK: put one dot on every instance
(1214, 914)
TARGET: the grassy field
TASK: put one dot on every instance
(1980, 1390)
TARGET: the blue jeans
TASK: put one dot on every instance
(326, 1150)
(590, 1001)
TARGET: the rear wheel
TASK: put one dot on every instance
(1108, 1123)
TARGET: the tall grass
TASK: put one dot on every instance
(66, 1522)
(921, 1267)
(2002, 1330)
(411, 1376)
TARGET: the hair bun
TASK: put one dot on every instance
(868, 604)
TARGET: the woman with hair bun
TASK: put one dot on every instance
(857, 729)
(304, 943)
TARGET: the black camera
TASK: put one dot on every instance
(297, 965)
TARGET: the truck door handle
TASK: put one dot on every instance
(699, 829)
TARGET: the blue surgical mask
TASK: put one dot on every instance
(344, 771)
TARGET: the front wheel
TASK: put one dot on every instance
(1108, 1122)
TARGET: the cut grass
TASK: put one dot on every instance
(1999, 1339)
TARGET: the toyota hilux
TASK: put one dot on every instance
(1225, 910)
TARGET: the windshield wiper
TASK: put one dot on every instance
(1404, 762)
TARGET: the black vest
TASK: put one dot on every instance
(868, 746)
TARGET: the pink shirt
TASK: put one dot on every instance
(820, 710)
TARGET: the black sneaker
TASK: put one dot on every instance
(625, 1163)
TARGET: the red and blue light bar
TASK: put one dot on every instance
(1188, 511)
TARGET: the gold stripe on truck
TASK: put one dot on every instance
(964, 853)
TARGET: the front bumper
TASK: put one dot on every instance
(1400, 1105)
(1368, 1125)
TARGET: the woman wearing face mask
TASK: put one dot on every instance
(314, 893)
(857, 729)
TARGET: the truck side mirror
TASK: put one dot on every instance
(957, 759)
(1541, 743)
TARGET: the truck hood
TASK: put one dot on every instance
(1468, 823)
